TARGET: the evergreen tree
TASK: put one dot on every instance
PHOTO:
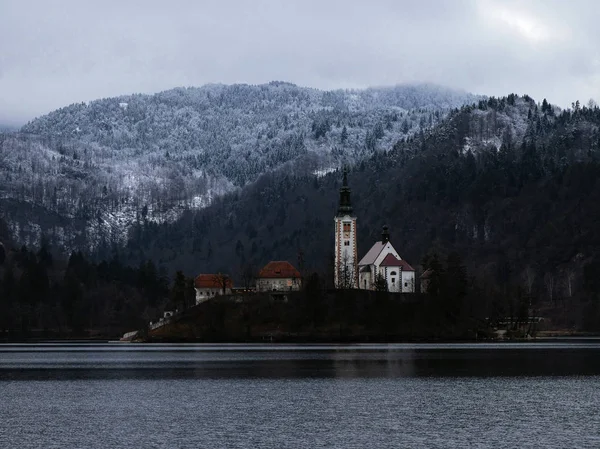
(190, 293)
(178, 291)
(435, 284)
(380, 283)
(344, 135)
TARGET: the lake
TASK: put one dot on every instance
(91, 395)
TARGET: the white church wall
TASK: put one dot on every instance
(408, 281)
(394, 279)
(365, 281)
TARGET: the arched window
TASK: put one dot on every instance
(393, 273)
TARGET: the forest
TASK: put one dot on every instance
(84, 174)
(507, 185)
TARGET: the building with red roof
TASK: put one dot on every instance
(210, 285)
(279, 275)
(382, 262)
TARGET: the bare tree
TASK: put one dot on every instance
(223, 281)
(248, 275)
(345, 273)
(411, 285)
(549, 282)
(569, 279)
(529, 276)
(301, 266)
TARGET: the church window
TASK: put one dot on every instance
(393, 280)
(347, 243)
(347, 229)
(393, 273)
(406, 284)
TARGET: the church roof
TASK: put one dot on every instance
(281, 269)
(370, 257)
(391, 261)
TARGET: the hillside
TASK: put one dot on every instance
(510, 184)
(501, 198)
(317, 316)
(84, 174)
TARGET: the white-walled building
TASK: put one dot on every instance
(383, 262)
(278, 276)
(346, 251)
(398, 274)
(210, 285)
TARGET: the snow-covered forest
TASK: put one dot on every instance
(83, 174)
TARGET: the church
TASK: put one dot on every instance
(381, 265)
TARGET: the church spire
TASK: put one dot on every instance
(346, 255)
(345, 207)
(385, 235)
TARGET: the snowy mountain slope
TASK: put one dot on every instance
(504, 178)
(117, 161)
(242, 131)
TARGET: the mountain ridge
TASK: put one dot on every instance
(499, 200)
(116, 161)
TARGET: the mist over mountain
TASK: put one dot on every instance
(84, 174)
(5, 127)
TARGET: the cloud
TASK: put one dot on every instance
(56, 53)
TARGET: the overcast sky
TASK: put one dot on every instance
(53, 53)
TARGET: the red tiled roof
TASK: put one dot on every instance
(279, 269)
(212, 281)
(391, 261)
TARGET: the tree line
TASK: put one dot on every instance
(43, 296)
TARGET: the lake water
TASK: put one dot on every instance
(536, 395)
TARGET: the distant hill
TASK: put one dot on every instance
(243, 131)
(507, 189)
(84, 174)
(510, 184)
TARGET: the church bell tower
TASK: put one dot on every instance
(346, 254)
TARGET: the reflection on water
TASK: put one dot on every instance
(104, 361)
(284, 396)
